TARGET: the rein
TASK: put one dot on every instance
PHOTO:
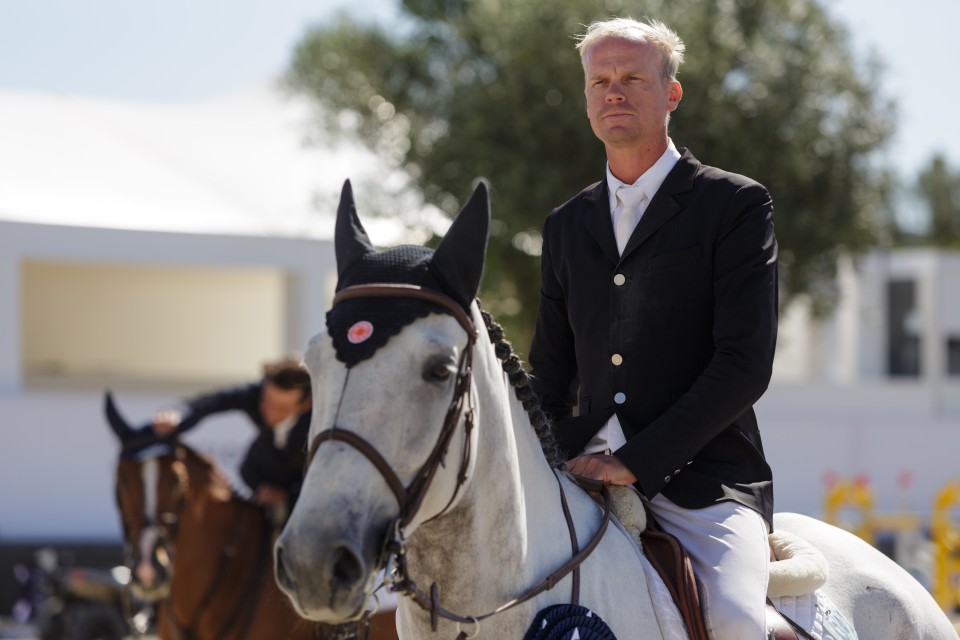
(410, 498)
(405, 584)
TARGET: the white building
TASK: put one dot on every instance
(874, 389)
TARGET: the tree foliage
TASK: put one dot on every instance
(938, 186)
(494, 88)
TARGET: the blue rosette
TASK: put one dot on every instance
(568, 622)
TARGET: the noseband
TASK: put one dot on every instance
(410, 498)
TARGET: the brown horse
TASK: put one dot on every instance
(205, 553)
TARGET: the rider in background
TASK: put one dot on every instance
(279, 407)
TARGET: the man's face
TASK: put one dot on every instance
(276, 404)
(628, 101)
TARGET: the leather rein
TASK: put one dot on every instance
(410, 498)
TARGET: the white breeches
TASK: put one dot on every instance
(727, 544)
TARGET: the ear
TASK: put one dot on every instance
(350, 239)
(674, 94)
(459, 258)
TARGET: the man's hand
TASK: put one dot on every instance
(606, 469)
(270, 495)
(166, 422)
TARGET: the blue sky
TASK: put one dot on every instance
(186, 50)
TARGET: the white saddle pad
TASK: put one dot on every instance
(817, 615)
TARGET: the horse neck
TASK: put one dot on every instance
(511, 496)
(222, 569)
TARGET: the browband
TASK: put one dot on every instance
(396, 290)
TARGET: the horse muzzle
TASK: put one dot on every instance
(326, 582)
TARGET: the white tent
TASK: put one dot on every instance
(237, 165)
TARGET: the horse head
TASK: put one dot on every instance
(150, 486)
(391, 440)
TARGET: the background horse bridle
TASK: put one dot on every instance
(163, 523)
(410, 498)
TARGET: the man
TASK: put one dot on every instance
(279, 407)
(657, 319)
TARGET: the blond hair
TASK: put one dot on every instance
(665, 39)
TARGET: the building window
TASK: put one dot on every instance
(953, 355)
(95, 325)
(903, 333)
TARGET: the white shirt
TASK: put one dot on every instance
(281, 432)
(610, 437)
(650, 181)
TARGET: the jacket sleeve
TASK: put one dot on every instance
(744, 337)
(552, 353)
(243, 398)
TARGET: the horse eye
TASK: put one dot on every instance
(438, 370)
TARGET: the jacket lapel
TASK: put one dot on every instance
(664, 204)
(598, 222)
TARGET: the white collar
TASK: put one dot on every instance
(651, 179)
(282, 431)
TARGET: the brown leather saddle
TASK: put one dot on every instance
(671, 562)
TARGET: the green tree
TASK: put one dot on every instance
(494, 88)
(938, 186)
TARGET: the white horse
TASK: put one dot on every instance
(479, 516)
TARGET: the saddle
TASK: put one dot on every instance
(672, 564)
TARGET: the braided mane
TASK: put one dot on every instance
(521, 383)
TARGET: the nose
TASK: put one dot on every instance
(343, 572)
(346, 569)
(145, 573)
(614, 95)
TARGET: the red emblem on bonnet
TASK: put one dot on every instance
(360, 332)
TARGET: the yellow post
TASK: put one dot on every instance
(946, 539)
(856, 494)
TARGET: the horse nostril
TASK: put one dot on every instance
(283, 577)
(347, 568)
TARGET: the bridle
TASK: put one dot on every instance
(410, 498)
(163, 523)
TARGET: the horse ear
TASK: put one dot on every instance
(459, 257)
(350, 239)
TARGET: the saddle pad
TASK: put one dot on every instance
(816, 614)
(568, 622)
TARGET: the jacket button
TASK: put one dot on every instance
(666, 478)
(620, 397)
(619, 279)
(676, 471)
(616, 359)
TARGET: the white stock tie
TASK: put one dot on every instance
(631, 197)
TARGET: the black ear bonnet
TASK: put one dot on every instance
(358, 327)
(375, 320)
